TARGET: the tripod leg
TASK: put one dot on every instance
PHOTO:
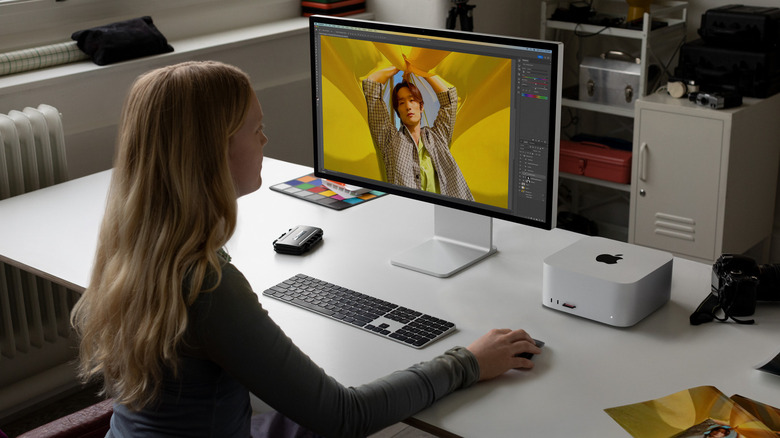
(466, 20)
(450, 24)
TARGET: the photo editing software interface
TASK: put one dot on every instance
(458, 119)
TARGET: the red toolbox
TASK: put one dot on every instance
(595, 160)
(338, 8)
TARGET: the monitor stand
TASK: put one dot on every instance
(459, 240)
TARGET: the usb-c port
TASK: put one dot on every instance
(570, 306)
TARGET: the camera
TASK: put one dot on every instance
(738, 283)
(716, 100)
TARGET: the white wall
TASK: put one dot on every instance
(501, 17)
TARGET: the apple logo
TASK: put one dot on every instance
(609, 258)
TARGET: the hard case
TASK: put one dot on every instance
(714, 68)
(609, 81)
(738, 25)
(595, 161)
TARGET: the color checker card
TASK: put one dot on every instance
(310, 188)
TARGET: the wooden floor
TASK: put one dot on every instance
(401, 430)
(87, 397)
(51, 411)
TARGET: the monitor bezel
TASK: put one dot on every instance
(556, 49)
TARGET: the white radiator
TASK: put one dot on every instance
(36, 348)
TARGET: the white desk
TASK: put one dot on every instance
(585, 366)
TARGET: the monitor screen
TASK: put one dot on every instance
(466, 121)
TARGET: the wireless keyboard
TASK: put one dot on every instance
(380, 317)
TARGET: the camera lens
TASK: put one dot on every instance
(769, 283)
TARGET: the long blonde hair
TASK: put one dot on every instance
(171, 207)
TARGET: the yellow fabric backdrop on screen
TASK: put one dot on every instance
(480, 142)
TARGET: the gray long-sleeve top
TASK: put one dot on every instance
(232, 347)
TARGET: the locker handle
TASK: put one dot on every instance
(643, 150)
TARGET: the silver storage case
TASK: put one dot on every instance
(611, 79)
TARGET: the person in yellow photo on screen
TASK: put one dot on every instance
(415, 156)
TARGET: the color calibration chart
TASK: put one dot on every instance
(310, 188)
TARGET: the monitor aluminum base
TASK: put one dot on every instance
(460, 239)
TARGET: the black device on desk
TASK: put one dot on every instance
(298, 240)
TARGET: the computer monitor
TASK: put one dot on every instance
(475, 134)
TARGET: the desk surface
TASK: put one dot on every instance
(585, 366)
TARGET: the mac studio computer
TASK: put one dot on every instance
(491, 154)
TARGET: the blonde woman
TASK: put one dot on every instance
(174, 329)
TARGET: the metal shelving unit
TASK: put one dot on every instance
(672, 13)
(655, 45)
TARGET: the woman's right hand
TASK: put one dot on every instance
(497, 352)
